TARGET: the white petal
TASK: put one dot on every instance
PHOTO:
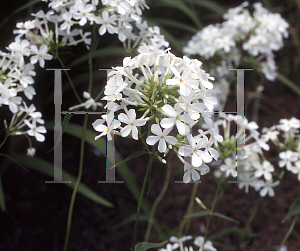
(155, 128)
(135, 133)
(170, 139)
(39, 137)
(167, 122)
(125, 131)
(123, 118)
(187, 177)
(169, 110)
(131, 114)
(162, 146)
(195, 175)
(151, 140)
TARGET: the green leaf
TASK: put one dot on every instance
(47, 168)
(129, 219)
(23, 7)
(168, 22)
(142, 246)
(294, 209)
(123, 169)
(198, 214)
(290, 84)
(103, 52)
(224, 217)
(130, 157)
(210, 5)
(181, 6)
(155, 169)
(223, 232)
(2, 197)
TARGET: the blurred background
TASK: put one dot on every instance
(36, 213)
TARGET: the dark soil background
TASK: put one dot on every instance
(36, 213)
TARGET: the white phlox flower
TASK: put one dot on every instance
(112, 124)
(161, 137)
(132, 123)
(35, 130)
(40, 55)
(87, 104)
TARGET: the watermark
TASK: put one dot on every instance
(110, 146)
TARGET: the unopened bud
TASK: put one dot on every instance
(201, 203)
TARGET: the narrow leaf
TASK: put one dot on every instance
(130, 157)
(129, 219)
(168, 22)
(23, 7)
(294, 209)
(198, 214)
(156, 167)
(181, 6)
(47, 168)
(210, 5)
(123, 169)
(290, 84)
(2, 197)
(103, 52)
(142, 246)
(223, 232)
(224, 217)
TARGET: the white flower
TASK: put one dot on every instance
(263, 169)
(106, 22)
(229, 167)
(83, 12)
(132, 123)
(31, 151)
(40, 55)
(30, 111)
(175, 118)
(123, 32)
(288, 124)
(106, 130)
(8, 96)
(184, 80)
(207, 245)
(19, 49)
(191, 172)
(161, 137)
(193, 149)
(288, 157)
(87, 104)
(268, 188)
(36, 131)
(67, 17)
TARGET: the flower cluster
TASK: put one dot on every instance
(63, 25)
(173, 93)
(179, 244)
(249, 142)
(286, 138)
(260, 34)
(243, 39)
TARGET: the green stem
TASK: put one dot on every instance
(6, 136)
(290, 84)
(81, 155)
(76, 185)
(189, 210)
(139, 206)
(158, 199)
(68, 76)
(243, 233)
(211, 212)
(289, 232)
